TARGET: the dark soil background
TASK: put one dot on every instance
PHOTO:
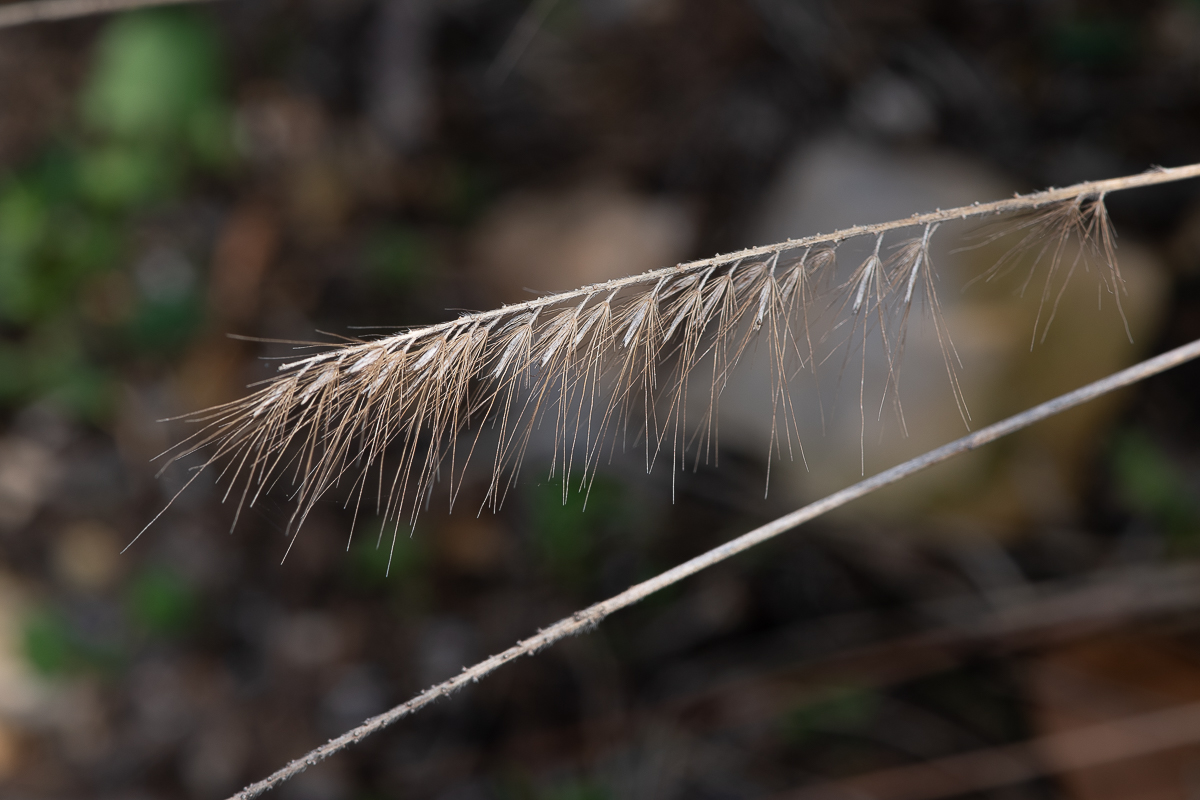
(276, 168)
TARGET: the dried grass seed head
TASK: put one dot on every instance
(412, 407)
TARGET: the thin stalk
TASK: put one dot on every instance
(1025, 202)
(591, 616)
(27, 13)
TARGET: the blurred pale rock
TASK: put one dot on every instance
(86, 556)
(891, 105)
(559, 241)
(839, 182)
(28, 472)
(81, 722)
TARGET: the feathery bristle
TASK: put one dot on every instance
(400, 412)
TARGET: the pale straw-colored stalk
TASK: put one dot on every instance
(591, 616)
(13, 15)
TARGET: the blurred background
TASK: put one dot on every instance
(278, 168)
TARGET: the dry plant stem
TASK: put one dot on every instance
(589, 617)
(14, 14)
(1026, 202)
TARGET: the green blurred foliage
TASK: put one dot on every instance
(377, 558)
(575, 790)
(156, 79)
(50, 644)
(398, 257)
(838, 708)
(565, 18)
(160, 602)
(1096, 43)
(565, 529)
(48, 246)
(122, 176)
(465, 192)
(1152, 485)
(152, 113)
(165, 327)
(519, 785)
(55, 648)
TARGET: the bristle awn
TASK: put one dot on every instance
(910, 260)
(868, 292)
(330, 417)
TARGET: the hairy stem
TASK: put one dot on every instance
(1026, 202)
(591, 616)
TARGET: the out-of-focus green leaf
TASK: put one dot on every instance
(565, 532)
(152, 107)
(85, 244)
(375, 559)
(122, 176)
(465, 191)
(575, 790)
(24, 219)
(166, 327)
(161, 602)
(1151, 484)
(49, 644)
(86, 392)
(838, 708)
(155, 71)
(54, 647)
(14, 373)
(47, 242)
(398, 257)
(1096, 43)
(55, 366)
(210, 134)
(24, 222)
(18, 293)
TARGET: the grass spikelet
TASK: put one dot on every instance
(612, 363)
(1059, 239)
